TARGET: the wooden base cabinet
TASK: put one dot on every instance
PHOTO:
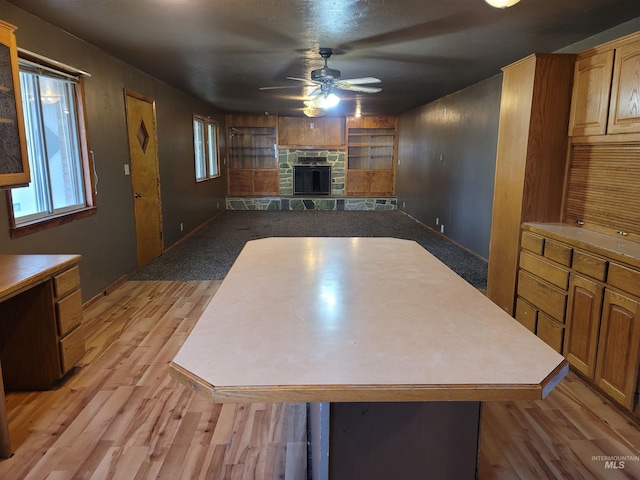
(619, 348)
(41, 334)
(601, 338)
(583, 324)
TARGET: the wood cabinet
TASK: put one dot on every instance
(583, 324)
(624, 113)
(605, 93)
(250, 181)
(311, 132)
(601, 340)
(590, 99)
(41, 325)
(543, 280)
(371, 153)
(619, 348)
(530, 161)
(252, 152)
(14, 164)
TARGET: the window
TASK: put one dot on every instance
(205, 144)
(57, 150)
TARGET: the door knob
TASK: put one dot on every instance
(137, 195)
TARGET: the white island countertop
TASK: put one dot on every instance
(358, 319)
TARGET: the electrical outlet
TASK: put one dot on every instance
(437, 221)
(217, 204)
(404, 204)
(441, 228)
(126, 169)
(182, 227)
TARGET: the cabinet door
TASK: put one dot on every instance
(583, 324)
(381, 183)
(358, 182)
(619, 348)
(624, 115)
(311, 132)
(590, 99)
(14, 164)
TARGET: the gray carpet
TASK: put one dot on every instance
(209, 253)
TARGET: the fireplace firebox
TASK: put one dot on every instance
(311, 179)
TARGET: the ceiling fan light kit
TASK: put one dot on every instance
(325, 80)
(326, 101)
(502, 3)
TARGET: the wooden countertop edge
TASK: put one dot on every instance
(10, 290)
(593, 247)
(369, 393)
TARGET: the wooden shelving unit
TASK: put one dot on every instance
(371, 148)
(252, 147)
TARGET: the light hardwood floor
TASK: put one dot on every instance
(121, 416)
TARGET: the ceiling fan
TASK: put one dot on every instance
(326, 79)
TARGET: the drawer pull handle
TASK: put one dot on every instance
(579, 222)
(624, 234)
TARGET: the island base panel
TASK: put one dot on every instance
(408, 440)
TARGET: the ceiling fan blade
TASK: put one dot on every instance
(359, 81)
(281, 86)
(357, 88)
(305, 80)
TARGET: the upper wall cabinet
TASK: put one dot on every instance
(311, 132)
(14, 164)
(624, 114)
(590, 100)
(606, 89)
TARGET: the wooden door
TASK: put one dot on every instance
(583, 324)
(619, 348)
(145, 178)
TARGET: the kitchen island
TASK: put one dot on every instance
(393, 351)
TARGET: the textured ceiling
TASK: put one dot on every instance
(223, 51)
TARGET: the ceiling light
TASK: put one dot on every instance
(326, 101)
(502, 3)
(313, 112)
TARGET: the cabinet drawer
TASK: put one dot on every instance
(558, 252)
(624, 278)
(66, 281)
(550, 332)
(526, 314)
(595, 267)
(550, 272)
(69, 312)
(532, 242)
(542, 295)
(71, 349)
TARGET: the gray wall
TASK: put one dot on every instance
(446, 163)
(107, 240)
(459, 188)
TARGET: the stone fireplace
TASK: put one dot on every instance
(322, 169)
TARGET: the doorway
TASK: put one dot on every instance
(145, 175)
